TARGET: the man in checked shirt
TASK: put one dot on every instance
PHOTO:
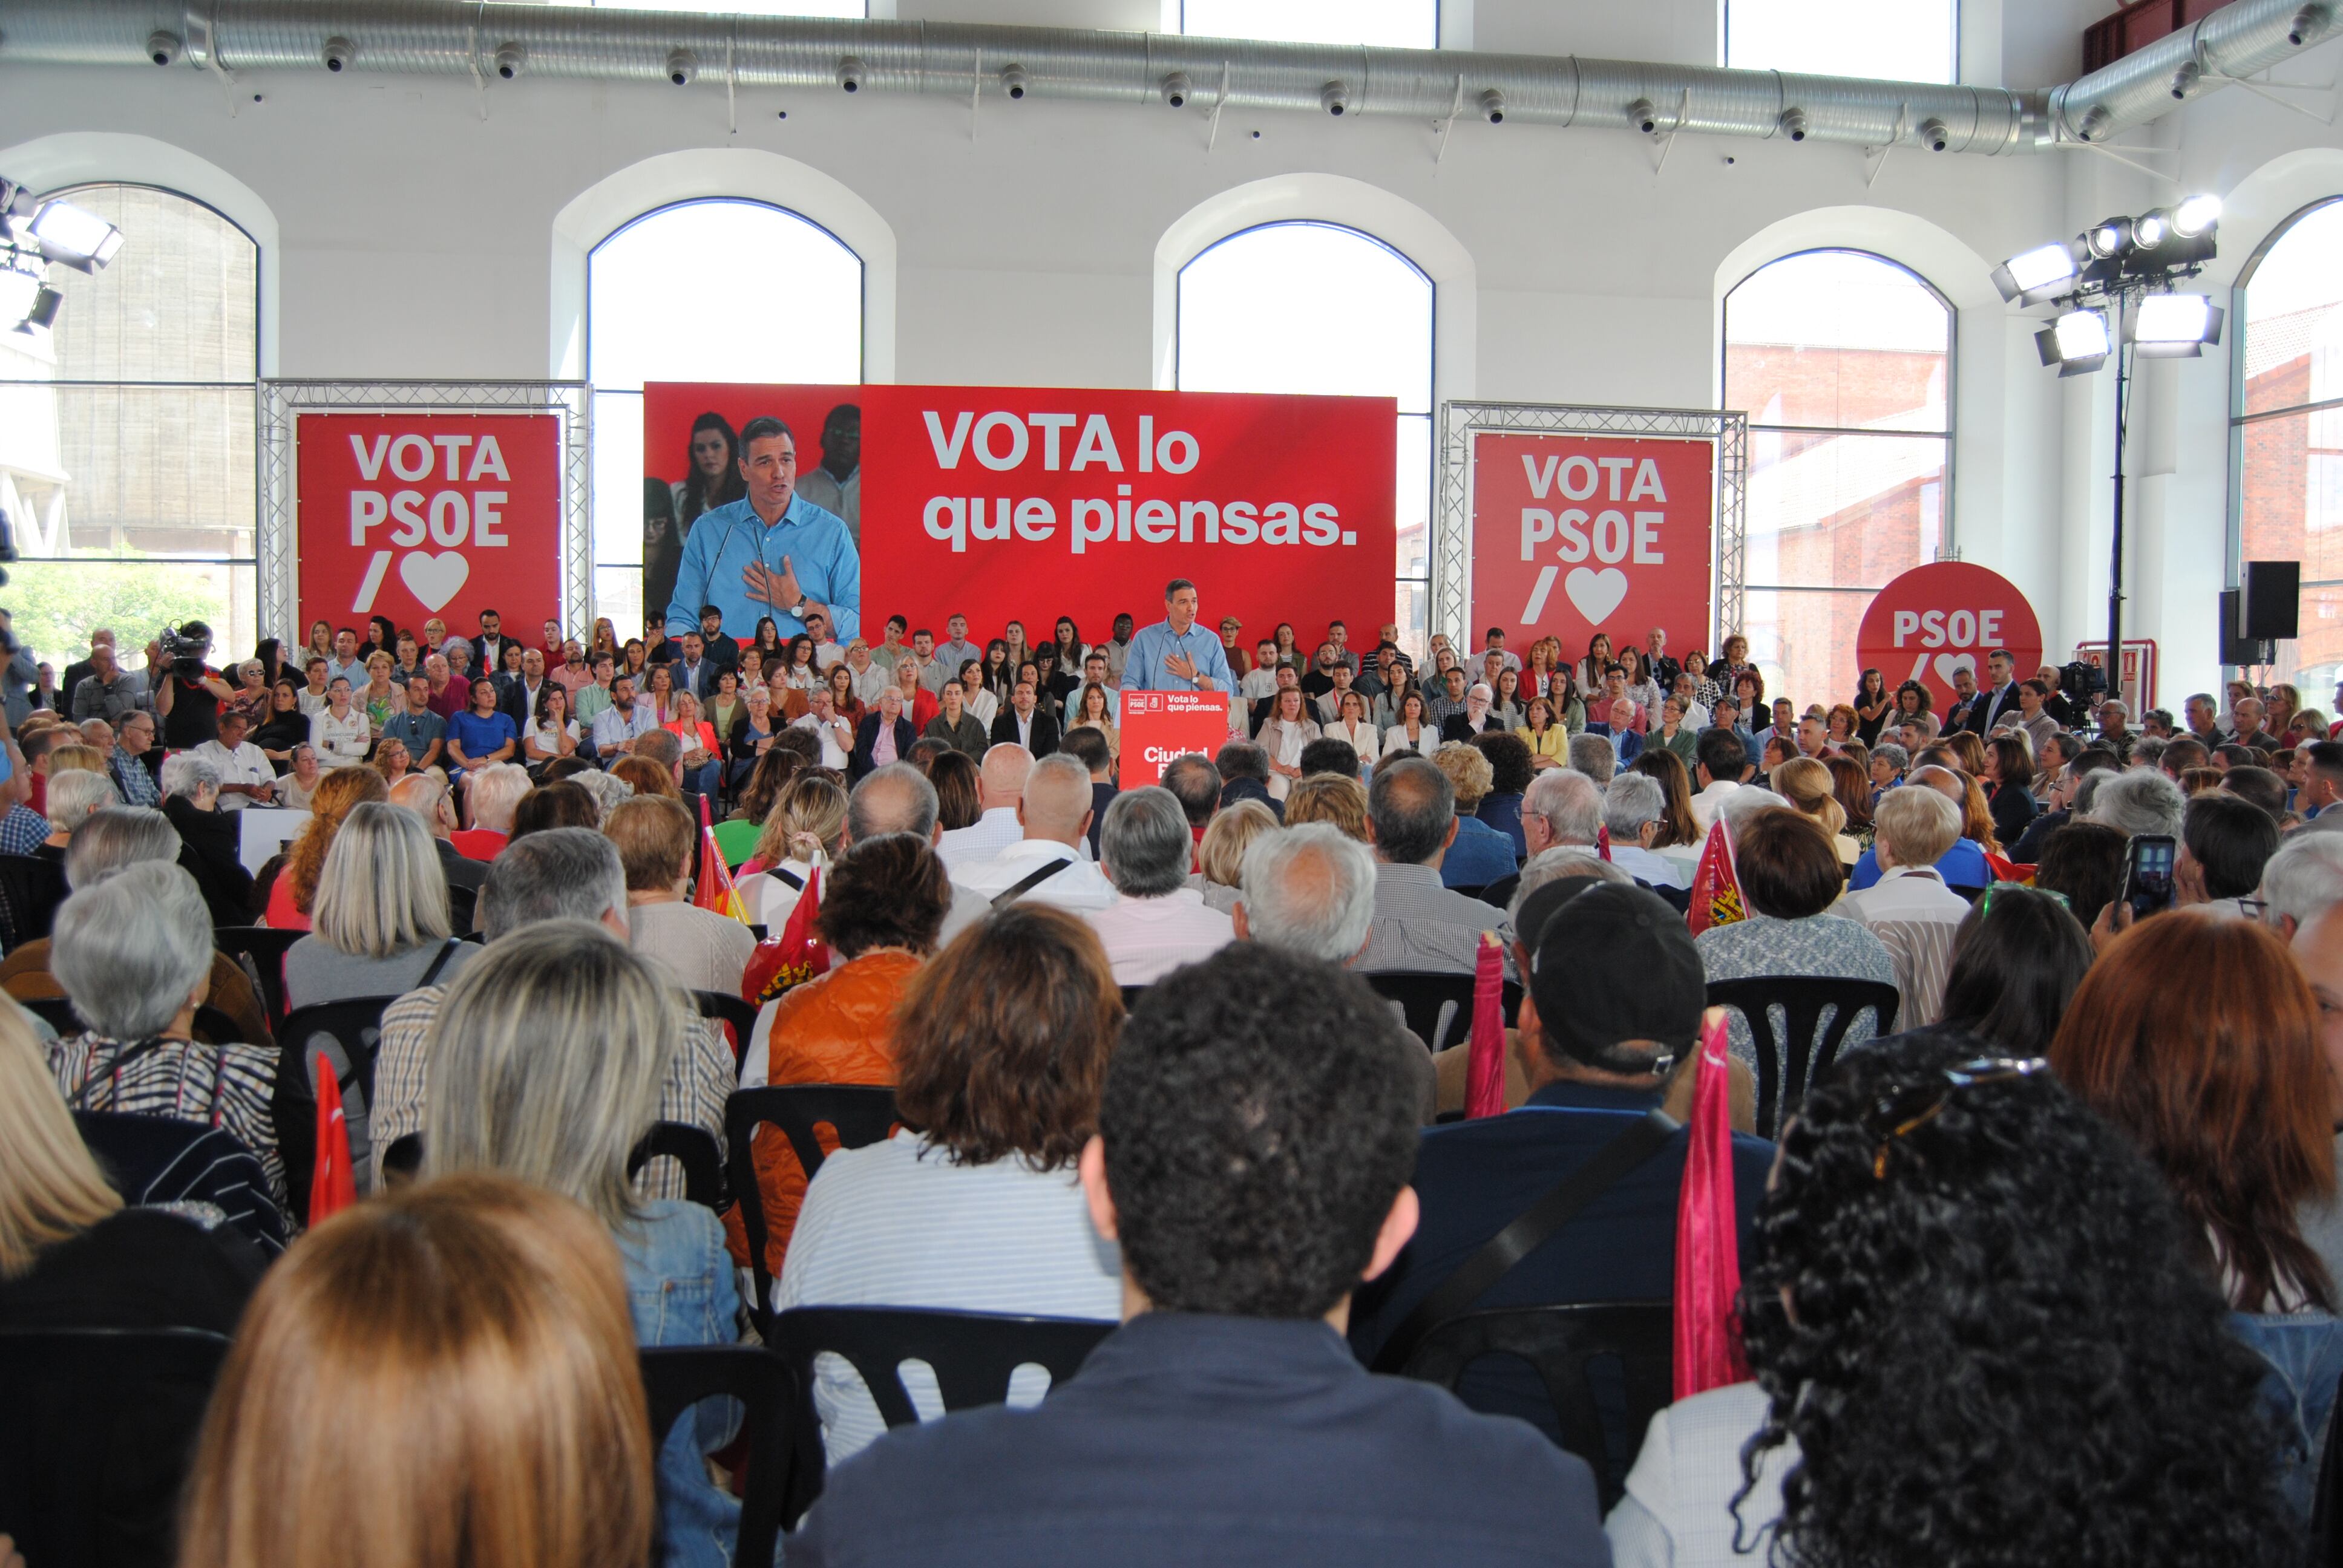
(561, 873)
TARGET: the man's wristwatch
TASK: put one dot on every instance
(798, 608)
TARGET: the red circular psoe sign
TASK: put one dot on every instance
(1933, 619)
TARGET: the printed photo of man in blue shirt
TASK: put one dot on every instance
(771, 553)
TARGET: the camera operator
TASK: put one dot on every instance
(187, 691)
(19, 676)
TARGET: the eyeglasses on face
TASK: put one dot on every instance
(1905, 1108)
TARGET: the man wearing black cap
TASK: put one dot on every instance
(1615, 997)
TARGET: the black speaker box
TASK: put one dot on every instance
(2240, 650)
(2271, 599)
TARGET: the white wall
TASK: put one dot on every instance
(413, 237)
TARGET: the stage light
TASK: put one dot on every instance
(19, 292)
(2151, 229)
(2174, 325)
(2033, 276)
(44, 314)
(2197, 216)
(77, 237)
(2077, 343)
(2108, 239)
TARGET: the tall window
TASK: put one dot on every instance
(2288, 432)
(717, 290)
(1843, 362)
(1901, 40)
(854, 8)
(1389, 24)
(1314, 308)
(127, 436)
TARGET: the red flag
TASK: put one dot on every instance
(333, 1186)
(1708, 1352)
(794, 956)
(2006, 870)
(715, 891)
(1603, 840)
(1716, 886)
(1484, 1065)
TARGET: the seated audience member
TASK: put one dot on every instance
(1328, 797)
(2224, 842)
(882, 905)
(2182, 753)
(1806, 784)
(808, 827)
(1328, 755)
(1561, 807)
(1252, 1157)
(1789, 881)
(1509, 781)
(1001, 788)
(698, 949)
(208, 837)
(1593, 754)
(2017, 958)
(2302, 881)
(1479, 854)
(1220, 857)
(1722, 766)
(379, 921)
(1909, 909)
(1244, 770)
(1092, 753)
(1196, 782)
(1596, 1043)
(292, 895)
(1046, 865)
(1963, 863)
(560, 874)
(546, 1060)
(885, 734)
(555, 803)
(2261, 785)
(1420, 924)
(645, 776)
(71, 797)
(490, 795)
(2200, 1037)
(1026, 719)
(134, 954)
(2062, 801)
(770, 776)
(1156, 922)
(2136, 801)
(476, 1306)
(426, 797)
(1000, 1059)
(897, 799)
(1931, 1195)
(1635, 814)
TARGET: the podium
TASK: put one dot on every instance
(1158, 726)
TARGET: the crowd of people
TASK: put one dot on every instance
(2042, 1267)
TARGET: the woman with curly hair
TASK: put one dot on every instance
(1975, 1343)
(338, 794)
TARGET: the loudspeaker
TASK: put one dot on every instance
(2270, 599)
(2240, 650)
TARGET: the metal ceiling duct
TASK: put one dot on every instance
(489, 39)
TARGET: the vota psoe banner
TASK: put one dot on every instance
(1027, 504)
(413, 516)
(1573, 535)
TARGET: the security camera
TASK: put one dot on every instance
(1933, 135)
(682, 66)
(1643, 116)
(338, 53)
(1492, 107)
(510, 57)
(850, 73)
(1012, 81)
(163, 48)
(2185, 79)
(1794, 124)
(2308, 24)
(1334, 98)
(1178, 89)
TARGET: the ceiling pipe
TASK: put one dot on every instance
(472, 38)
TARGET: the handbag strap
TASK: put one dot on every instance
(1026, 884)
(447, 950)
(1498, 1256)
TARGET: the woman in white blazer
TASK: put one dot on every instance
(1353, 727)
(1412, 732)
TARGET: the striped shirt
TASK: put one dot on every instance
(697, 1080)
(898, 1224)
(1420, 926)
(224, 1086)
(153, 1162)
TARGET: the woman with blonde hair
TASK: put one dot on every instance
(1220, 857)
(378, 921)
(1807, 785)
(546, 1058)
(295, 892)
(442, 1378)
(806, 829)
(1336, 798)
(1288, 728)
(381, 697)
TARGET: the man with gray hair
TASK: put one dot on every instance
(1593, 755)
(898, 798)
(560, 874)
(1157, 922)
(1419, 926)
(1046, 864)
(2302, 881)
(426, 795)
(1562, 806)
(491, 794)
(2136, 802)
(1634, 808)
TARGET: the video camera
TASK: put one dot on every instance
(2083, 681)
(184, 649)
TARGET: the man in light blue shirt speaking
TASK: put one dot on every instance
(1175, 654)
(773, 552)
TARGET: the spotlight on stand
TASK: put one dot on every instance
(35, 233)
(79, 238)
(2032, 277)
(2076, 342)
(2196, 216)
(20, 291)
(2173, 326)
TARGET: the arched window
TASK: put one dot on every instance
(854, 8)
(2288, 432)
(127, 436)
(1843, 362)
(1900, 40)
(717, 290)
(1387, 23)
(1315, 308)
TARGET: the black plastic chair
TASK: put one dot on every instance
(676, 1378)
(1422, 995)
(1560, 1342)
(859, 1115)
(693, 1148)
(1785, 1069)
(31, 889)
(210, 1026)
(729, 1009)
(57, 1011)
(261, 950)
(1130, 995)
(100, 1435)
(973, 1354)
(463, 908)
(356, 1027)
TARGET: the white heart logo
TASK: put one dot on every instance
(434, 579)
(1948, 663)
(1596, 594)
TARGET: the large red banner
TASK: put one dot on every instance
(1945, 617)
(1573, 535)
(1029, 504)
(413, 516)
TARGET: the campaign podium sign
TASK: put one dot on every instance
(1158, 726)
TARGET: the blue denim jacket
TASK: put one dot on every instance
(679, 1291)
(2305, 1352)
